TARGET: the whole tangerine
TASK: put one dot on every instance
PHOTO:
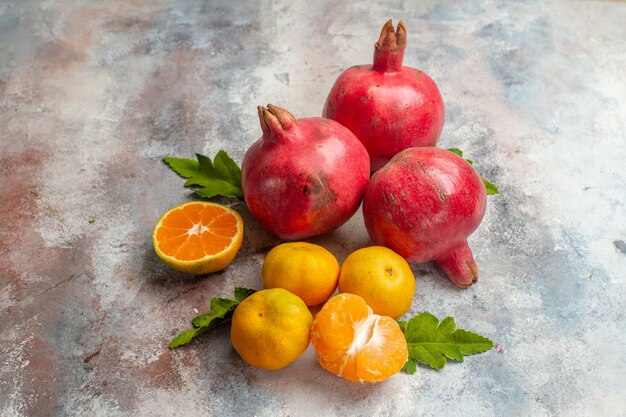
(382, 277)
(270, 328)
(307, 270)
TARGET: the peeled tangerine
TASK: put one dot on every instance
(356, 344)
(303, 177)
(388, 106)
(424, 204)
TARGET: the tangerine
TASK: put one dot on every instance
(271, 328)
(382, 277)
(198, 237)
(307, 270)
(356, 344)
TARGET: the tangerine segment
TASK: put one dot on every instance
(356, 344)
(177, 220)
(167, 233)
(198, 237)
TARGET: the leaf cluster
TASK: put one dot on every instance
(222, 310)
(221, 176)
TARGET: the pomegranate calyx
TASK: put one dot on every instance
(389, 50)
(459, 266)
(386, 30)
(275, 121)
(391, 40)
(285, 118)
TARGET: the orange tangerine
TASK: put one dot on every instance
(356, 344)
(307, 270)
(271, 328)
(198, 237)
(382, 277)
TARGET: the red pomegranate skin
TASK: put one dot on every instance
(303, 177)
(388, 106)
(424, 204)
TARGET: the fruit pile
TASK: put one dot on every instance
(306, 177)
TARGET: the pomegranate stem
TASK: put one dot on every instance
(389, 50)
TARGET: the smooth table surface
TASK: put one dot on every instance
(93, 94)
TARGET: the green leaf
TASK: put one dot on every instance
(203, 320)
(206, 165)
(491, 189)
(227, 167)
(214, 319)
(430, 342)
(402, 325)
(241, 293)
(184, 167)
(222, 310)
(222, 176)
(212, 188)
(221, 306)
(183, 338)
(410, 367)
(211, 321)
(456, 151)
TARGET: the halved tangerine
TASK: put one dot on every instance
(198, 237)
(356, 344)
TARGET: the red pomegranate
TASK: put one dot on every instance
(303, 177)
(424, 204)
(389, 107)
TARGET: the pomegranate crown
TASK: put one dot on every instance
(389, 49)
(276, 122)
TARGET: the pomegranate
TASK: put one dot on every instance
(387, 106)
(303, 177)
(424, 204)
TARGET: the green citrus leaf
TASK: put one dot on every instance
(430, 341)
(410, 367)
(491, 189)
(183, 338)
(221, 306)
(241, 293)
(456, 151)
(222, 310)
(222, 176)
